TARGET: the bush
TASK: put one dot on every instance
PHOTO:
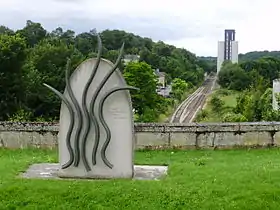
(217, 104)
(223, 92)
(232, 117)
(271, 115)
(21, 116)
(202, 115)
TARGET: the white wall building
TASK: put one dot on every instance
(220, 57)
(234, 53)
(276, 89)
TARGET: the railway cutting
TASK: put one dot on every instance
(187, 110)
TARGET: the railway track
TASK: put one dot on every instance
(188, 109)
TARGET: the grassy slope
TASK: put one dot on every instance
(237, 179)
(230, 102)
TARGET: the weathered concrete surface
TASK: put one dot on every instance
(51, 170)
(118, 115)
(150, 135)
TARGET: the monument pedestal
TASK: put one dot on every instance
(51, 171)
(97, 173)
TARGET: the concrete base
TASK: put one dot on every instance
(51, 171)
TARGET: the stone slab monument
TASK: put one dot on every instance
(96, 121)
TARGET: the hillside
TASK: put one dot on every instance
(258, 54)
(254, 55)
(32, 56)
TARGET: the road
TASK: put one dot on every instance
(187, 110)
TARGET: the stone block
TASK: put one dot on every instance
(147, 139)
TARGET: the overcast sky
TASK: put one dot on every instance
(196, 25)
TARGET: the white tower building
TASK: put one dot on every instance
(227, 49)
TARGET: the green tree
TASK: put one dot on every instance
(266, 67)
(33, 33)
(111, 55)
(217, 104)
(86, 43)
(179, 87)
(207, 64)
(6, 30)
(255, 55)
(233, 117)
(12, 55)
(145, 101)
(46, 64)
(246, 105)
(47, 54)
(233, 77)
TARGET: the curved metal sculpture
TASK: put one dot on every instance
(92, 103)
(79, 115)
(85, 110)
(71, 125)
(85, 117)
(101, 117)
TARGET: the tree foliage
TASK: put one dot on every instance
(32, 56)
(258, 54)
(217, 104)
(233, 77)
(146, 102)
(253, 78)
(46, 63)
(179, 87)
(250, 74)
(12, 56)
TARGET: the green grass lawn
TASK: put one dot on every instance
(232, 179)
(230, 100)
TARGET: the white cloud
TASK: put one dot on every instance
(194, 25)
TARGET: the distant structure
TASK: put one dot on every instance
(227, 49)
(275, 91)
(131, 58)
(161, 78)
(162, 88)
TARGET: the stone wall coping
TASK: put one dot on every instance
(155, 127)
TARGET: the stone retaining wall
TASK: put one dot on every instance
(151, 135)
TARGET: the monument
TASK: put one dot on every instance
(96, 121)
(96, 127)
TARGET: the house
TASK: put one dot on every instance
(161, 78)
(131, 58)
(162, 88)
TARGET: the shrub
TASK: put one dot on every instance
(232, 117)
(202, 115)
(20, 116)
(216, 103)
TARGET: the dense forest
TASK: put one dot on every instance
(246, 56)
(32, 56)
(258, 54)
(253, 80)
